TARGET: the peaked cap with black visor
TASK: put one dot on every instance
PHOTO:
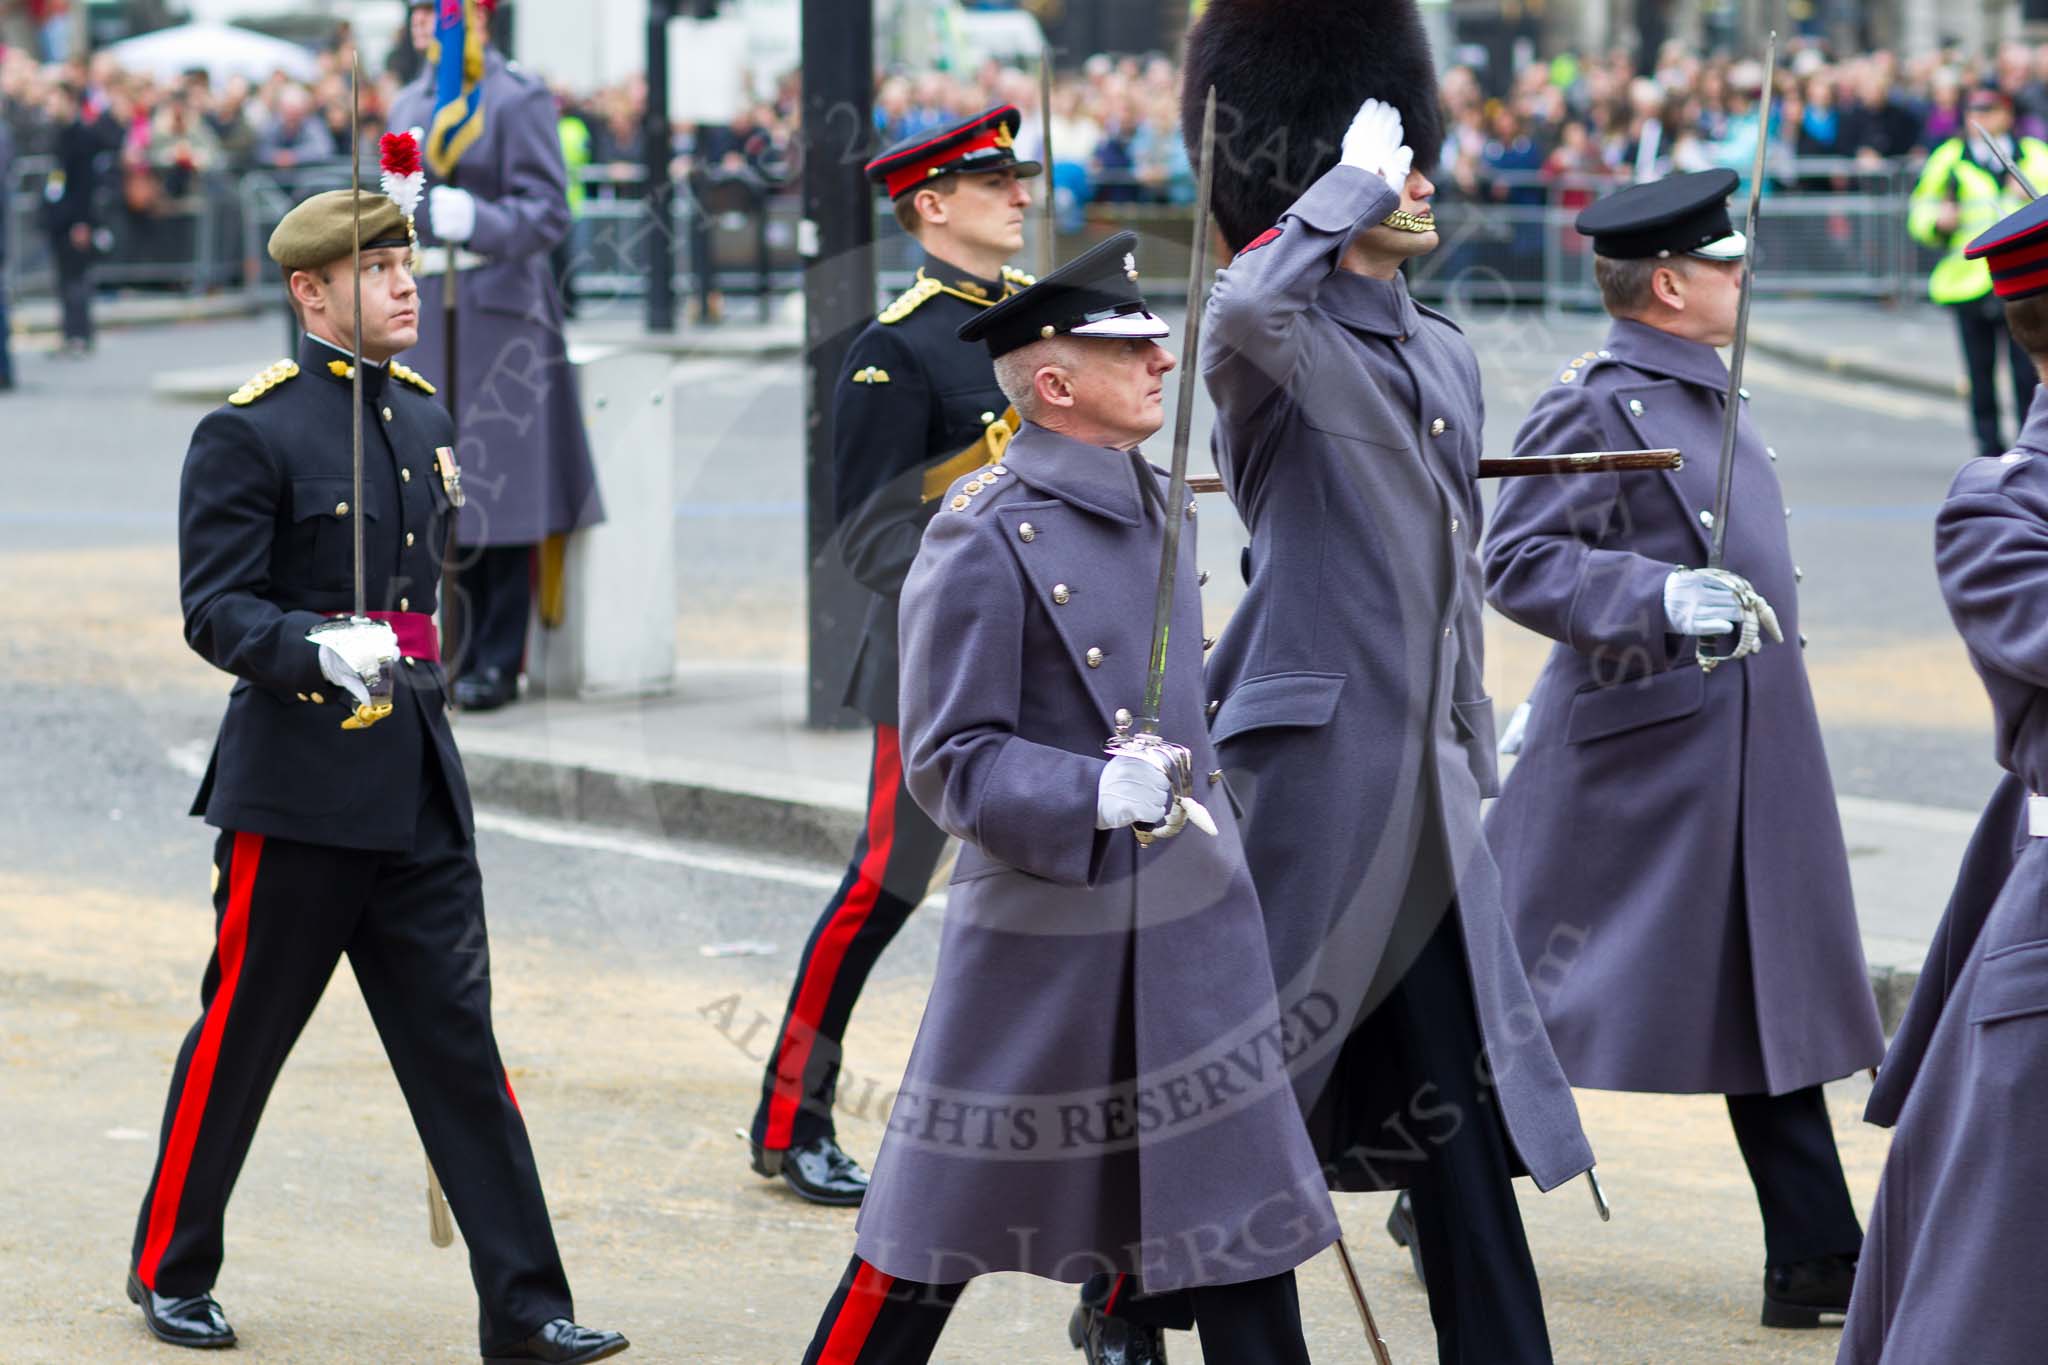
(1290, 76)
(986, 142)
(1094, 295)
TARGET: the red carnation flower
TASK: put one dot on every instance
(401, 155)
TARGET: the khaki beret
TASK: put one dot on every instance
(322, 230)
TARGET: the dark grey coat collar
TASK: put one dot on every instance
(1381, 307)
(1093, 478)
(1646, 348)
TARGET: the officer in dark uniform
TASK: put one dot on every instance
(917, 408)
(339, 838)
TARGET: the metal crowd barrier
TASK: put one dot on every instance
(1833, 228)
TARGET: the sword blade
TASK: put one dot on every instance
(2012, 170)
(1183, 427)
(1724, 477)
(1378, 1343)
(355, 164)
(1048, 223)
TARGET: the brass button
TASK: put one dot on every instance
(410, 661)
(1208, 642)
(1802, 639)
(1635, 407)
(405, 604)
(1027, 533)
(341, 509)
(1202, 579)
(1706, 519)
(1191, 508)
(302, 696)
(1062, 594)
(987, 417)
(1447, 632)
(973, 486)
(1214, 707)
(1437, 427)
(1454, 526)
(997, 470)
(1215, 777)
(408, 540)
(1798, 574)
(317, 699)
(1772, 451)
(1094, 657)
(1123, 718)
(960, 501)
(1744, 393)
(387, 414)
(405, 474)
(1788, 514)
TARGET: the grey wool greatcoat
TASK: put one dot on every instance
(1668, 839)
(1352, 720)
(526, 469)
(1951, 1264)
(1100, 1080)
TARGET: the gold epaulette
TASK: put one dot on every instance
(1012, 275)
(412, 377)
(912, 299)
(264, 383)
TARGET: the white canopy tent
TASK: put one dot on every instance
(222, 50)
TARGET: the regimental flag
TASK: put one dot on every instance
(461, 34)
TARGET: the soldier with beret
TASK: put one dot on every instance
(1952, 1262)
(1100, 1081)
(1669, 843)
(344, 818)
(1348, 706)
(520, 424)
(916, 407)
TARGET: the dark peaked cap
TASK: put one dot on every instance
(1289, 77)
(1094, 295)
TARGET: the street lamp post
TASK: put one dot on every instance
(661, 189)
(837, 242)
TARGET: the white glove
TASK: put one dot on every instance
(451, 213)
(1695, 604)
(1131, 791)
(1374, 144)
(351, 653)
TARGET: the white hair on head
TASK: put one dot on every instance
(1017, 373)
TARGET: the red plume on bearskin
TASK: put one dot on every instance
(1289, 77)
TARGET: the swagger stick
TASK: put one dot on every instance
(451, 607)
(1372, 1329)
(355, 358)
(2018, 177)
(1724, 483)
(1049, 218)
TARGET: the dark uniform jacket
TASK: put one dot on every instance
(914, 395)
(265, 552)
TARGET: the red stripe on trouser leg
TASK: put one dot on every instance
(176, 1163)
(509, 1095)
(857, 1314)
(1115, 1292)
(801, 1033)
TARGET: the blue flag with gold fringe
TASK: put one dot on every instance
(461, 35)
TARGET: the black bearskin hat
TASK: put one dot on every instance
(1289, 77)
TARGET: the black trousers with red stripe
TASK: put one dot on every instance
(888, 875)
(412, 926)
(875, 1319)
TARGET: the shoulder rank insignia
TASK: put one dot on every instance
(1012, 275)
(263, 383)
(976, 486)
(912, 299)
(412, 377)
(873, 374)
(1575, 370)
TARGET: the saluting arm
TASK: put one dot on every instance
(1030, 805)
(229, 500)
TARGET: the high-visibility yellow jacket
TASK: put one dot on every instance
(1980, 200)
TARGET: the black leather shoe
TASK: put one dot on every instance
(1401, 1227)
(562, 1342)
(196, 1322)
(1104, 1340)
(818, 1171)
(486, 689)
(1800, 1294)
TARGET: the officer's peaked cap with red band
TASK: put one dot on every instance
(2017, 252)
(986, 142)
(1094, 295)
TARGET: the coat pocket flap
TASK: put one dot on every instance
(1600, 712)
(327, 495)
(2010, 983)
(1278, 700)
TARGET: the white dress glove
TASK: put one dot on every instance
(351, 654)
(451, 213)
(1695, 604)
(1129, 792)
(1374, 144)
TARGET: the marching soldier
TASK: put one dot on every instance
(916, 408)
(1669, 844)
(520, 424)
(1100, 1080)
(337, 841)
(1349, 714)
(1951, 1263)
